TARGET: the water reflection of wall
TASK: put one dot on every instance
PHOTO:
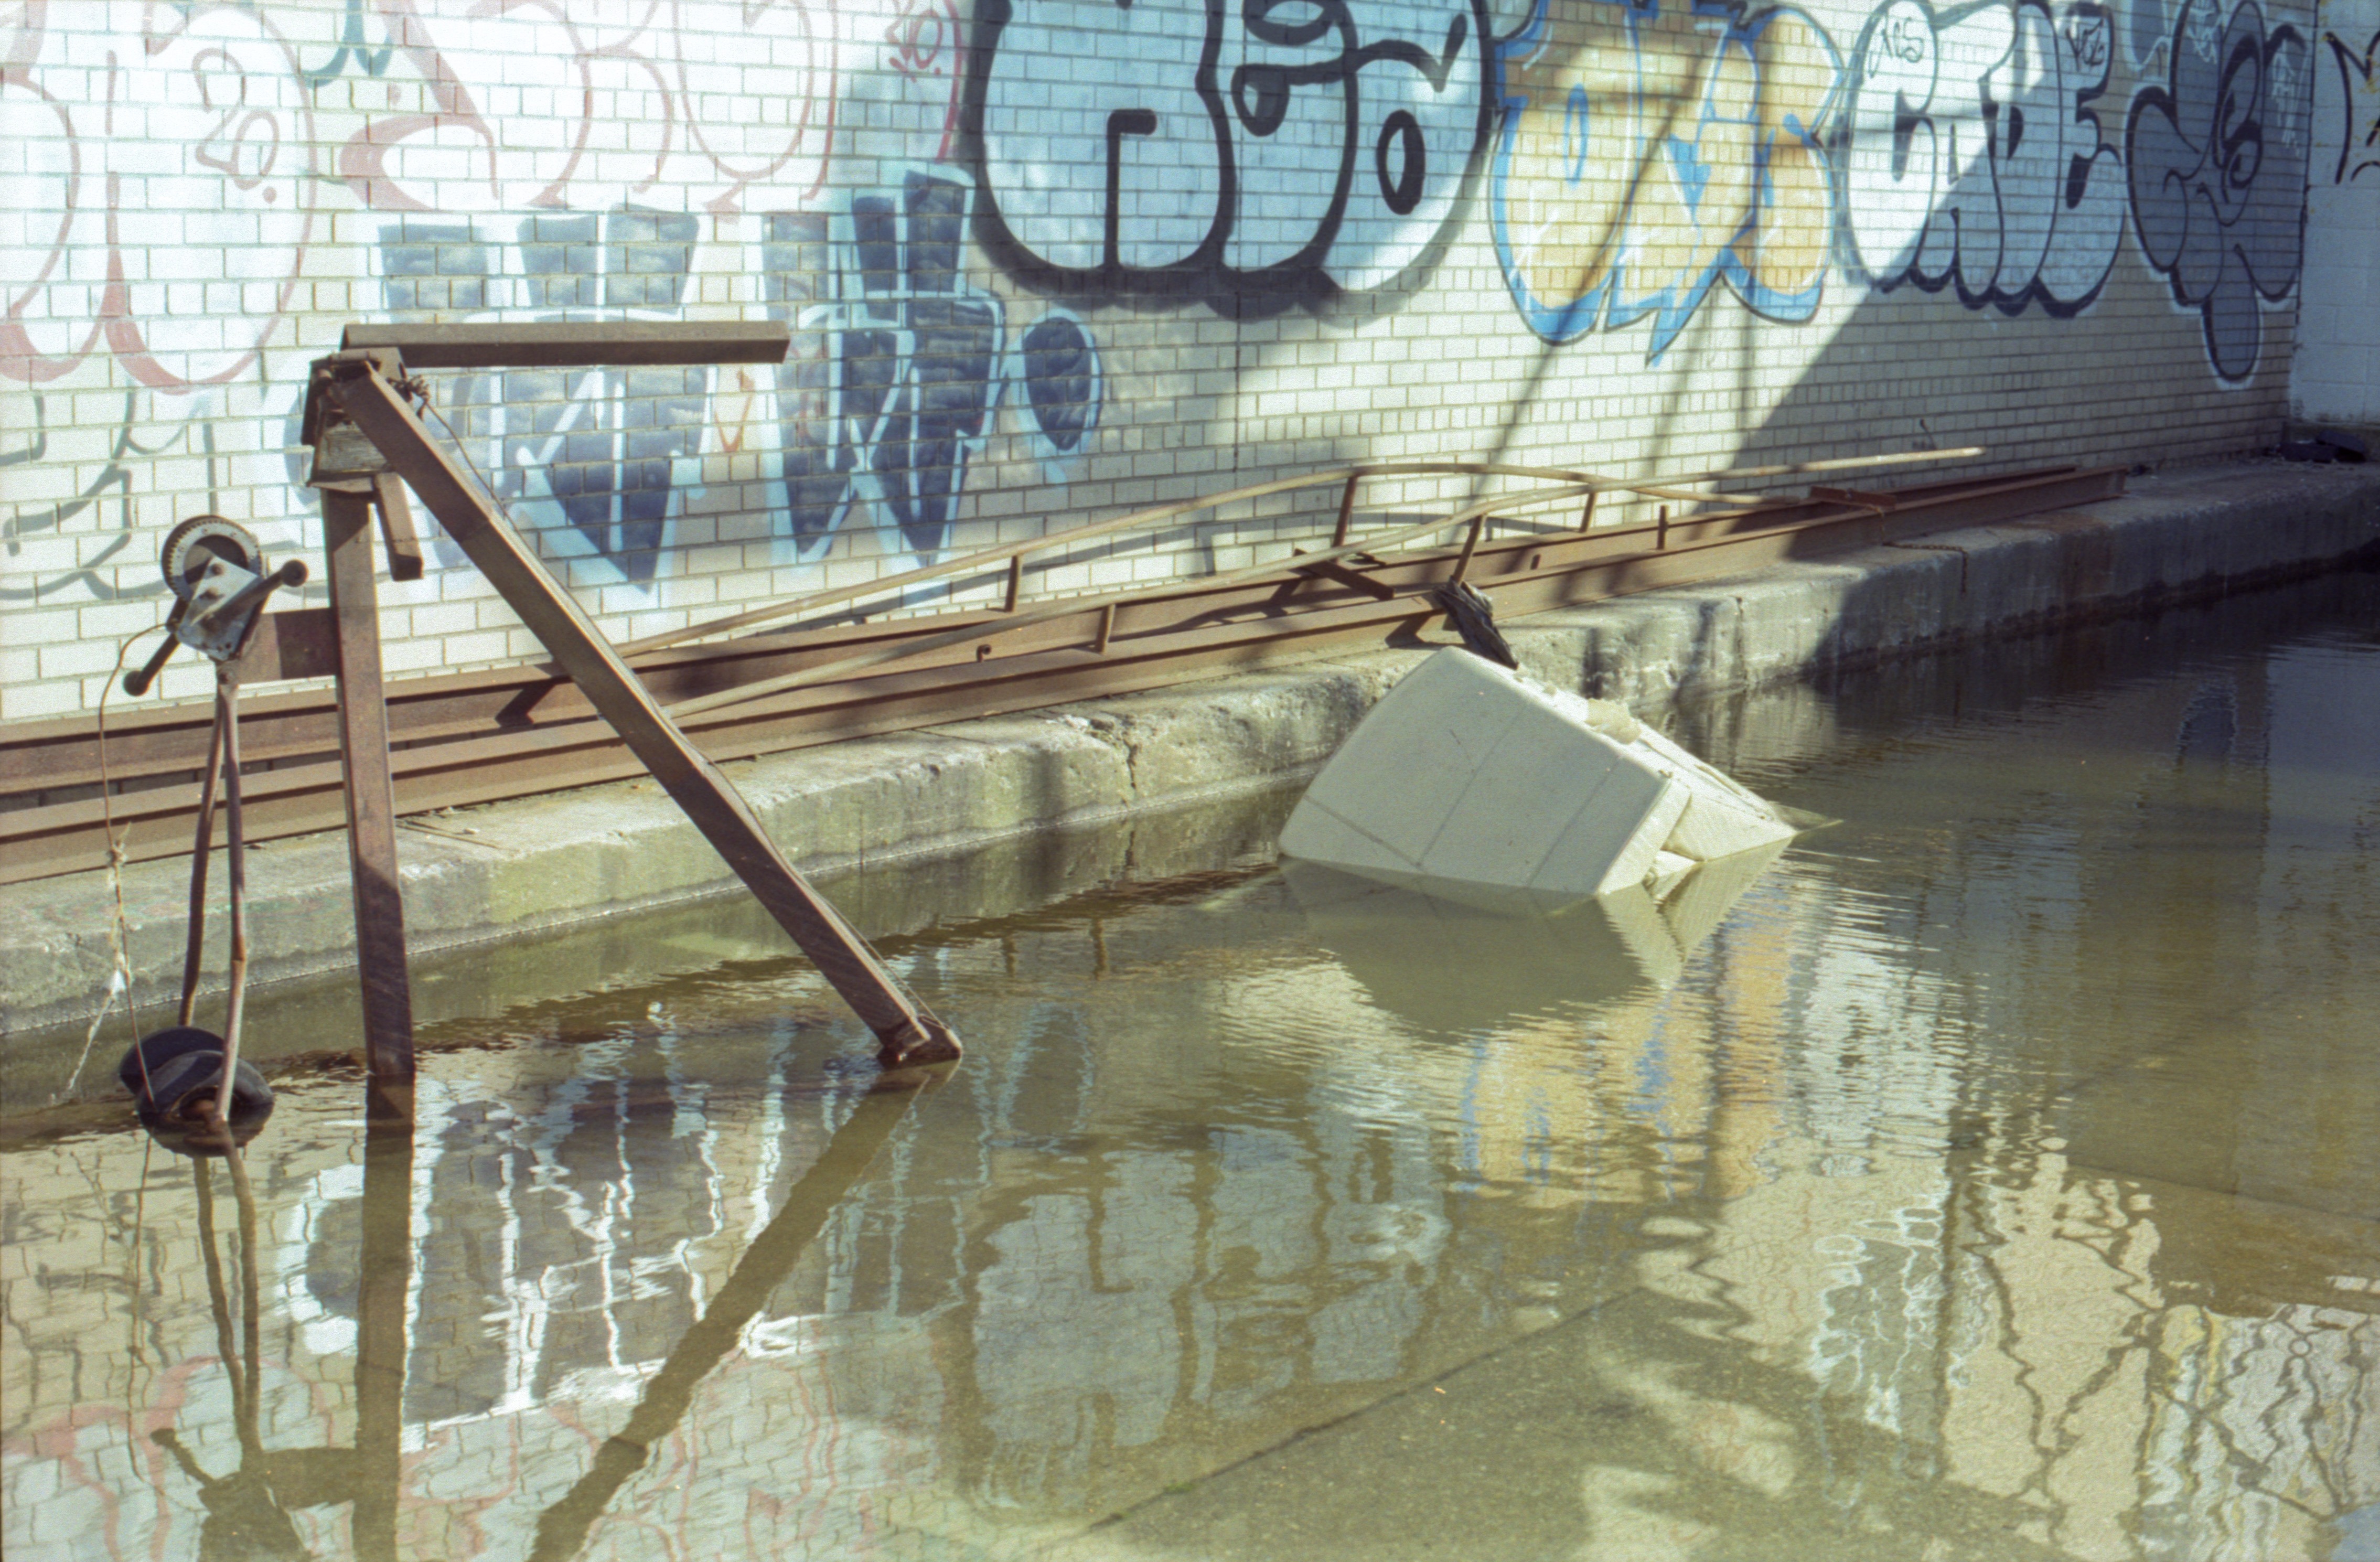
(1198, 1186)
(2071, 1307)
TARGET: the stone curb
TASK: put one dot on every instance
(513, 868)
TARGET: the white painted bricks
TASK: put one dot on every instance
(1468, 773)
(1075, 311)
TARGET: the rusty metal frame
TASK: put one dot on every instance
(481, 737)
(367, 790)
(573, 345)
(367, 386)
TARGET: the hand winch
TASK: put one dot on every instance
(192, 1090)
(216, 569)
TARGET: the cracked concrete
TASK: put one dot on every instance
(543, 864)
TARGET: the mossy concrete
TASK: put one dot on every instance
(537, 865)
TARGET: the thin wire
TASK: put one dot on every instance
(133, 1295)
(462, 448)
(119, 933)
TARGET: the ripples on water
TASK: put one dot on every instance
(1994, 1179)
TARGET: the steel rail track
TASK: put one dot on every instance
(475, 737)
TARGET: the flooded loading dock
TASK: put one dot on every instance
(1994, 1180)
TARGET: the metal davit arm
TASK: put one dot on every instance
(909, 1033)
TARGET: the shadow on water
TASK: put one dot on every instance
(247, 1509)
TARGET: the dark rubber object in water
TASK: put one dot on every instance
(172, 1073)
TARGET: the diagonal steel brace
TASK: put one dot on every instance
(909, 1035)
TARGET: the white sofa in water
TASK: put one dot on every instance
(1469, 775)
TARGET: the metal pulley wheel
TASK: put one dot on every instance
(193, 547)
(216, 569)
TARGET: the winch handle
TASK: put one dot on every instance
(137, 682)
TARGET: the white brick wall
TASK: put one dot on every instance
(2336, 375)
(1739, 263)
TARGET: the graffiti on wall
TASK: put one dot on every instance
(597, 461)
(884, 400)
(1646, 155)
(893, 386)
(93, 308)
(1265, 154)
(523, 161)
(526, 105)
(2217, 156)
(1972, 158)
(2358, 105)
(176, 169)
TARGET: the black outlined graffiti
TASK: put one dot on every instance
(2219, 161)
(2147, 23)
(2358, 90)
(892, 386)
(595, 461)
(1260, 151)
(1972, 159)
(1059, 368)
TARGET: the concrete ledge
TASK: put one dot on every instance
(512, 869)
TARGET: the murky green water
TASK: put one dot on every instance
(1993, 1177)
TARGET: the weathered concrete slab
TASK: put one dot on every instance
(476, 875)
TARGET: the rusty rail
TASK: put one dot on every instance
(481, 737)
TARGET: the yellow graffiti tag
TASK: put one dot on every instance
(1646, 155)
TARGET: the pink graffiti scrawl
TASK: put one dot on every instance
(224, 128)
(924, 41)
(626, 113)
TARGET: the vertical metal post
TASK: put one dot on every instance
(909, 1035)
(385, 1266)
(1346, 511)
(371, 796)
(1470, 547)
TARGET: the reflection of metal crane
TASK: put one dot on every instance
(249, 1508)
(562, 1530)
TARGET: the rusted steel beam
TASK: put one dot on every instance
(575, 345)
(1158, 517)
(907, 1033)
(515, 733)
(161, 740)
(367, 790)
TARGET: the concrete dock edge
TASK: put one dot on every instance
(512, 870)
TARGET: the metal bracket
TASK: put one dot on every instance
(366, 392)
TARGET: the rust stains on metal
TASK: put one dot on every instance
(471, 737)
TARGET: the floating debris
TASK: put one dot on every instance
(1468, 777)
